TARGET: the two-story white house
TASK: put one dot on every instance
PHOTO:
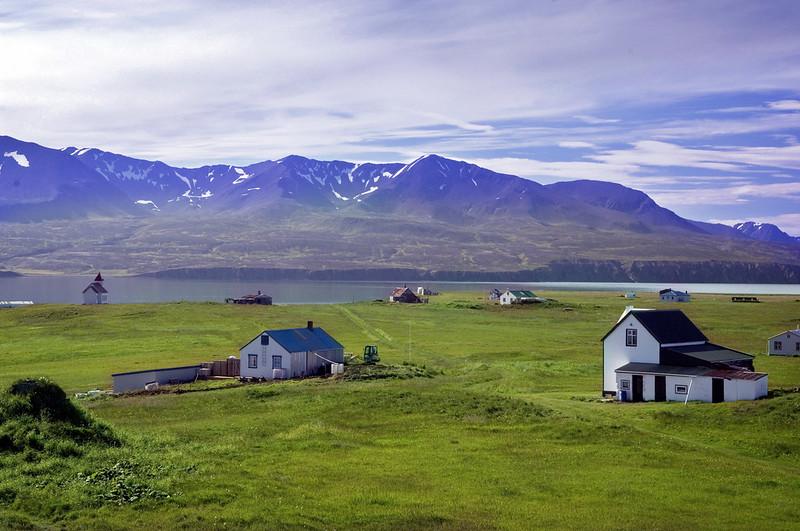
(289, 353)
(784, 344)
(661, 355)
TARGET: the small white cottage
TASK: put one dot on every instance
(521, 296)
(785, 344)
(289, 353)
(673, 295)
(660, 355)
(95, 293)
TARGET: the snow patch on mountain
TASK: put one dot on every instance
(18, 157)
(147, 202)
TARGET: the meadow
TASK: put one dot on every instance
(491, 419)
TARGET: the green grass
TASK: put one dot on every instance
(488, 419)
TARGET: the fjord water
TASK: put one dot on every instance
(67, 289)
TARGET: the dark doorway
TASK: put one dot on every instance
(638, 387)
(661, 388)
(717, 390)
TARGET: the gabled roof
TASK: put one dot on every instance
(711, 353)
(300, 339)
(676, 292)
(785, 332)
(522, 293)
(673, 370)
(666, 326)
(96, 287)
(396, 292)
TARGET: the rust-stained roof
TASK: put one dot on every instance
(674, 370)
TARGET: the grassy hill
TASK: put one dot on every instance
(501, 429)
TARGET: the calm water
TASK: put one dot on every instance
(67, 289)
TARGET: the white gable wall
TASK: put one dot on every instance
(265, 353)
(789, 342)
(616, 354)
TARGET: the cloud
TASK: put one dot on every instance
(595, 120)
(575, 144)
(784, 105)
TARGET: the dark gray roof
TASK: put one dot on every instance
(673, 370)
(667, 326)
(711, 353)
(97, 287)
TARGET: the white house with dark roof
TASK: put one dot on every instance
(785, 344)
(673, 295)
(661, 355)
(518, 296)
(95, 292)
(289, 353)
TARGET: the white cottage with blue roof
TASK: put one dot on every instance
(290, 353)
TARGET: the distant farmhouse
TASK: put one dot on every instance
(673, 295)
(405, 295)
(660, 355)
(785, 344)
(95, 293)
(257, 298)
(290, 353)
(518, 297)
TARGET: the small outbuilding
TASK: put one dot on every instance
(494, 294)
(522, 296)
(290, 353)
(673, 295)
(661, 355)
(784, 344)
(95, 293)
(126, 382)
(251, 298)
(405, 295)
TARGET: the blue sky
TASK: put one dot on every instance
(696, 103)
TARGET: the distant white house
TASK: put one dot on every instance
(785, 344)
(630, 295)
(289, 353)
(518, 297)
(660, 355)
(95, 293)
(673, 295)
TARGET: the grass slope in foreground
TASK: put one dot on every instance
(504, 435)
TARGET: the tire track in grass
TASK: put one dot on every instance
(360, 323)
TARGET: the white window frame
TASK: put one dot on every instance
(625, 385)
(631, 334)
(681, 389)
(280, 362)
(252, 361)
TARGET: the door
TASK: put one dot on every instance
(661, 388)
(638, 388)
(717, 390)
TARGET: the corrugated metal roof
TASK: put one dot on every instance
(304, 339)
(674, 370)
(711, 353)
(522, 293)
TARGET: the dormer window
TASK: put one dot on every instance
(630, 337)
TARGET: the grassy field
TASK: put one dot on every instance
(502, 429)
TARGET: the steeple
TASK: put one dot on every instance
(98, 278)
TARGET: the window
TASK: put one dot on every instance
(252, 361)
(681, 389)
(624, 384)
(265, 339)
(276, 362)
(630, 337)
(777, 345)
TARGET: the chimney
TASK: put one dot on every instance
(311, 325)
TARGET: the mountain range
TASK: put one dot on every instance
(470, 210)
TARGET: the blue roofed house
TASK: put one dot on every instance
(290, 353)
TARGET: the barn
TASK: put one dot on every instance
(661, 355)
(290, 353)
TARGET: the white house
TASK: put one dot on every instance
(95, 293)
(289, 353)
(660, 355)
(518, 297)
(785, 344)
(673, 295)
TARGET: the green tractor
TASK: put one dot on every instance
(371, 354)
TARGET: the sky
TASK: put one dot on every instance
(695, 103)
